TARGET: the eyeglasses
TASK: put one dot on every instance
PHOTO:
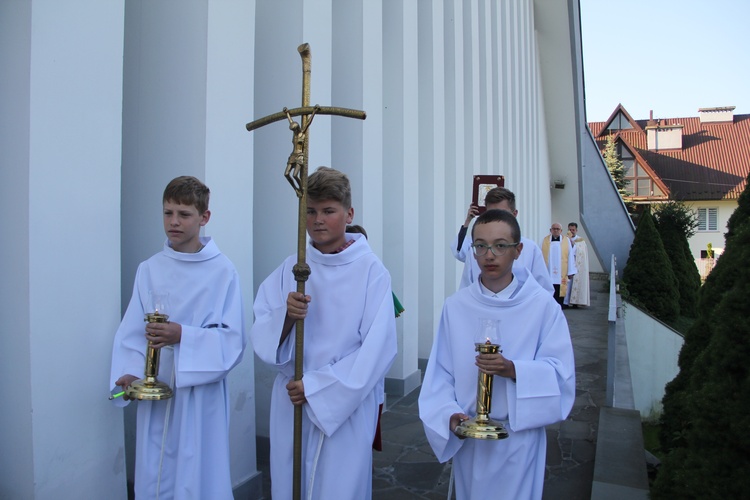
(498, 249)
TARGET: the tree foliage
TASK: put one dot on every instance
(707, 408)
(615, 166)
(648, 274)
(677, 215)
(706, 417)
(675, 223)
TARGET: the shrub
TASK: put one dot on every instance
(706, 417)
(675, 223)
(711, 397)
(648, 274)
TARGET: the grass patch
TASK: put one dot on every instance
(651, 438)
(682, 324)
(651, 444)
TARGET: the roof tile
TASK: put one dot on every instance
(713, 164)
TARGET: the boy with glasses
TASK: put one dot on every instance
(534, 374)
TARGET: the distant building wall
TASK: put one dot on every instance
(702, 238)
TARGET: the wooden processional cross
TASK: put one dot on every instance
(296, 174)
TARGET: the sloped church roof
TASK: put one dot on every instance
(712, 162)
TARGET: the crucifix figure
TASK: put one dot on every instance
(296, 174)
(297, 158)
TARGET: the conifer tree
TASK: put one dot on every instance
(615, 166)
(712, 455)
(741, 214)
(648, 275)
(676, 223)
(702, 363)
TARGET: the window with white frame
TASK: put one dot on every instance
(708, 219)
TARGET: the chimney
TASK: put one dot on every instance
(662, 136)
(717, 115)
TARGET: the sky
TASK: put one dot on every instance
(669, 56)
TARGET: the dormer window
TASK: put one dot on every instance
(639, 182)
(619, 122)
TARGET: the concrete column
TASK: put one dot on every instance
(401, 174)
(187, 97)
(230, 49)
(61, 103)
(459, 197)
(438, 225)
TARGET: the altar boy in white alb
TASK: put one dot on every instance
(350, 342)
(502, 199)
(182, 443)
(534, 376)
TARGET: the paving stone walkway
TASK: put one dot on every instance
(406, 469)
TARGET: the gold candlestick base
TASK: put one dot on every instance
(481, 427)
(149, 389)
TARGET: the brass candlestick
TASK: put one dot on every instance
(482, 426)
(149, 387)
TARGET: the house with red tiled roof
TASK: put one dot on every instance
(702, 161)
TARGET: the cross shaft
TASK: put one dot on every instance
(296, 174)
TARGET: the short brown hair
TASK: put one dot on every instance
(330, 184)
(187, 190)
(496, 215)
(498, 195)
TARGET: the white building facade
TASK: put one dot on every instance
(103, 103)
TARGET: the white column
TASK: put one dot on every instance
(401, 173)
(437, 226)
(317, 32)
(229, 175)
(277, 84)
(458, 198)
(188, 87)
(357, 146)
(61, 103)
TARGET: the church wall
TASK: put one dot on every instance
(61, 102)
(433, 271)
(164, 122)
(188, 94)
(400, 168)
(451, 89)
(559, 112)
(16, 428)
(490, 123)
(277, 84)
(229, 175)
(589, 196)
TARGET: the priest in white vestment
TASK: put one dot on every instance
(534, 376)
(578, 290)
(560, 260)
